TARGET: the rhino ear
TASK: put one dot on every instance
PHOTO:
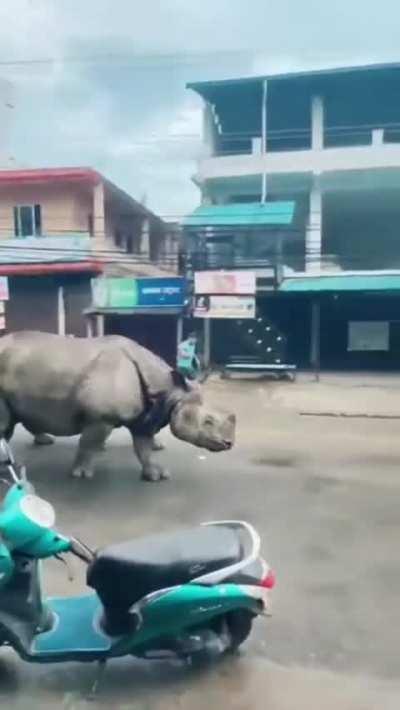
(180, 381)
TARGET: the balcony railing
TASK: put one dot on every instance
(215, 261)
(287, 263)
(293, 139)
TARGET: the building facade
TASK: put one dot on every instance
(329, 143)
(59, 229)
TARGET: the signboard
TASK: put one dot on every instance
(224, 307)
(169, 292)
(31, 250)
(4, 295)
(225, 282)
(368, 336)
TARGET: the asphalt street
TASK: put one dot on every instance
(323, 494)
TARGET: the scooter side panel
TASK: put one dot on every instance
(181, 608)
(76, 633)
(76, 629)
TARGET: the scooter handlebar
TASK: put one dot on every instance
(49, 544)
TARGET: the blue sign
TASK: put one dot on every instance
(158, 292)
(169, 292)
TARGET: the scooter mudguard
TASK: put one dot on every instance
(167, 614)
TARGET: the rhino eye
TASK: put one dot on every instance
(209, 420)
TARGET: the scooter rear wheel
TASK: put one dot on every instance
(239, 624)
(227, 632)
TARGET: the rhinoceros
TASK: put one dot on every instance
(62, 386)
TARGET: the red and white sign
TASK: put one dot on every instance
(224, 307)
(225, 283)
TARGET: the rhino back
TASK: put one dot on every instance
(49, 380)
(34, 362)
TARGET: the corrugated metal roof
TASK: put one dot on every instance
(248, 213)
(321, 284)
(202, 86)
(34, 175)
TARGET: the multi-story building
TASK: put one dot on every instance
(327, 144)
(60, 228)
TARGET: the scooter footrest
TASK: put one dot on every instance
(76, 628)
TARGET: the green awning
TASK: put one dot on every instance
(348, 282)
(242, 214)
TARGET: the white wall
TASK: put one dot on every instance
(303, 161)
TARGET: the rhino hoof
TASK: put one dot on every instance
(80, 472)
(154, 473)
(43, 440)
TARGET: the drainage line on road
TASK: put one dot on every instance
(349, 416)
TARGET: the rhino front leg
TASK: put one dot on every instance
(158, 445)
(7, 421)
(151, 471)
(90, 445)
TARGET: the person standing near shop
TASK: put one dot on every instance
(188, 361)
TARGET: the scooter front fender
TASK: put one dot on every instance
(167, 613)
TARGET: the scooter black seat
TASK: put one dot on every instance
(123, 573)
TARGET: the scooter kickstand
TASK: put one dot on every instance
(101, 667)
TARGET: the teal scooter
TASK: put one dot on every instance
(192, 594)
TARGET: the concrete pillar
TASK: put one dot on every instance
(206, 199)
(179, 332)
(170, 250)
(209, 130)
(98, 211)
(317, 123)
(61, 310)
(264, 137)
(378, 136)
(314, 228)
(100, 324)
(207, 342)
(89, 327)
(315, 344)
(145, 238)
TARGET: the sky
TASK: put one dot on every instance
(112, 94)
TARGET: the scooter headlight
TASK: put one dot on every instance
(38, 511)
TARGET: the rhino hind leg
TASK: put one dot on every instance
(42, 439)
(91, 443)
(151, 471)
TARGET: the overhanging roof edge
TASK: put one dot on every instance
(199, 86)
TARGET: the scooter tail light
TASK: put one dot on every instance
(269, 580)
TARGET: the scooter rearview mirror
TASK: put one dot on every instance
(6, 455)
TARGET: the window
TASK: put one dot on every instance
(27, 220)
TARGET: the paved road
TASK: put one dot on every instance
(324, 495)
